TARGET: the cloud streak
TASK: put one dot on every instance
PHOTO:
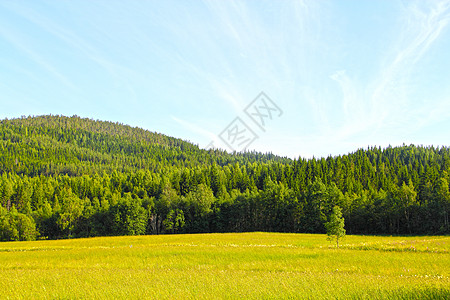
(200, 64)
(19, 43)
(389, 91)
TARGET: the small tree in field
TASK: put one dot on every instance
(335, 227)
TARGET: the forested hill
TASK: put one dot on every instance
(73, 177)
(50, 145)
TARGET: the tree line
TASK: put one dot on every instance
(72, 177)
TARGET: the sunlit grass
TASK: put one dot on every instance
(249, 265)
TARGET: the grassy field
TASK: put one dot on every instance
(245, 265)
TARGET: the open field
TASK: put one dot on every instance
(250, 265)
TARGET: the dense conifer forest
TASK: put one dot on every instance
(66, 177)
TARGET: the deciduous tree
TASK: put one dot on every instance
(335, 226)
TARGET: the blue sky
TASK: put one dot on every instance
(344, 74)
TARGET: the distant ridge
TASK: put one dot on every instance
(53, 144)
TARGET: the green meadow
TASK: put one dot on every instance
(230, 266)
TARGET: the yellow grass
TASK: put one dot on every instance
(230, 266)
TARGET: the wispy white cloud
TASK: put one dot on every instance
(420, 30)
(119, 73)
(262, 51)
(14, 38)
(193, 127)
(389, 92)
(213, 57)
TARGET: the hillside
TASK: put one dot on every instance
(50, 145)
(68, 176)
